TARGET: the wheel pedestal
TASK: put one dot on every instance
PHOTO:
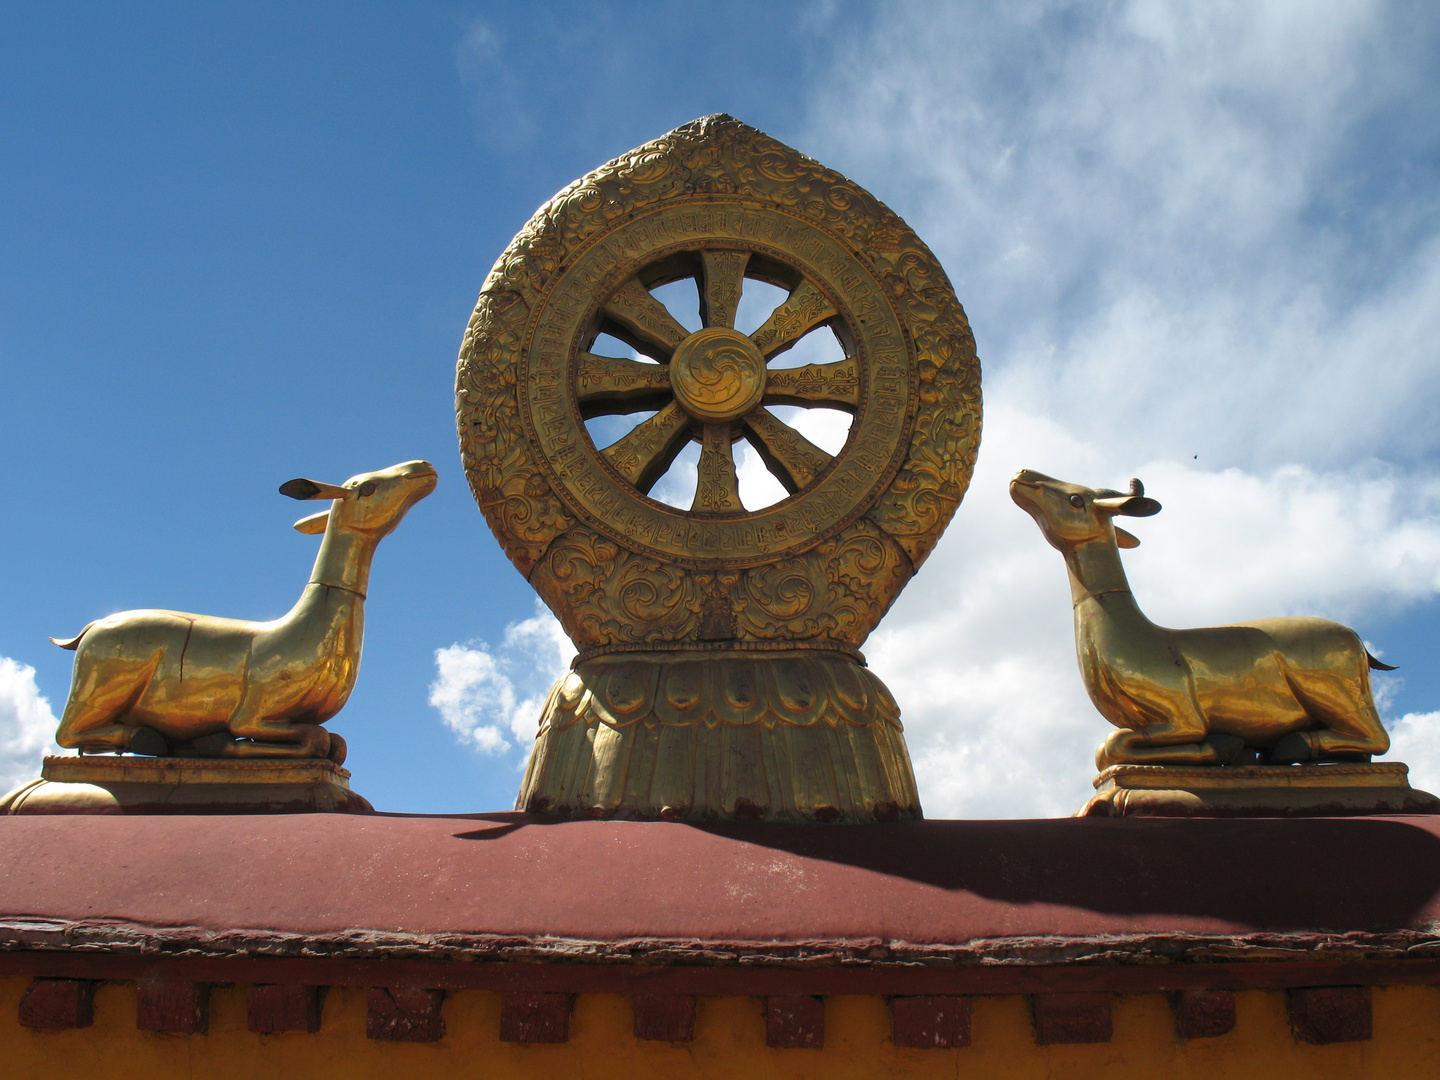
(792, 736)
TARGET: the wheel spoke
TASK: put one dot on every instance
(836, 385)
(644, 322)
(607, 385)
(717, 489)
(642, 456)
(806, 309)
(721, 287)
(794, 459)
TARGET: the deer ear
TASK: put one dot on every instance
(312, 489)
(1125, 539)
(1129, 505)
(313, 525)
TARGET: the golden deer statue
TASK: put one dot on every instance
(163, 682)
(1298, 688)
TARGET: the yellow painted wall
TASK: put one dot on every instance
(729, 1042)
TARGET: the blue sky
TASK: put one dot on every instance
(239, 243)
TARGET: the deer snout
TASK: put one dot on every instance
(420, 473)
(1024, 486)
(1030, 478)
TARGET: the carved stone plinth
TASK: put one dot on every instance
(144, 785)
(1257, 791)
(793, 736)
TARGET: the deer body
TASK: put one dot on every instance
(1297, 687)
(244, 689)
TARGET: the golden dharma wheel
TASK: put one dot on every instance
(713, 630)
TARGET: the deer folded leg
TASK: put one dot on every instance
(1229, 749)
(1166, 744)
(1338, 745)
(279, 739)
(92, 729)
(208, 746)
(111, 738)
(97, 740)
(144, 740)
(1323, 744)
(1341, 704)
(91, 722)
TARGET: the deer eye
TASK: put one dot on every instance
(366, 489)
(1077, 501)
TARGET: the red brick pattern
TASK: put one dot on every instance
(174, 1006)
(795, 1022)
(404, 1014)
(1203, 1014)
(926, 1023)
(1330, 1014)
(1072, 1018)
(1318, 1015)
(276, 1007)
(665, 1017)
(58, 1003)
(534, 1018)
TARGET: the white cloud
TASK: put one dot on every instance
(1415, 740)
(27, 725)
(1174, 228)
(485, 694)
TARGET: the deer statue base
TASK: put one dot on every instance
(100, 784)
(1257, 791)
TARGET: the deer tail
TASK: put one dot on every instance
(1375, 665)
(72, 643)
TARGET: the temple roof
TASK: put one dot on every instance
(513, 887)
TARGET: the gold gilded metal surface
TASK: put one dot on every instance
(717, 204)
(61, 769)
(717, 375)
(167, 682)
(797, 736)
(1284, 690)
(149, 785)
(1256, 791)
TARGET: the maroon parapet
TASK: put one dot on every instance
(174, 1006)
(58, 1003)
(928, 1023)
(404, 1014)
(795, 1022)
(275, 1007)
(1330, 1014)
(665, 1017)
(1072, 1018)
(1203, 1014)
(534, 1018)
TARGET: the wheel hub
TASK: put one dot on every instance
(717, 374)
